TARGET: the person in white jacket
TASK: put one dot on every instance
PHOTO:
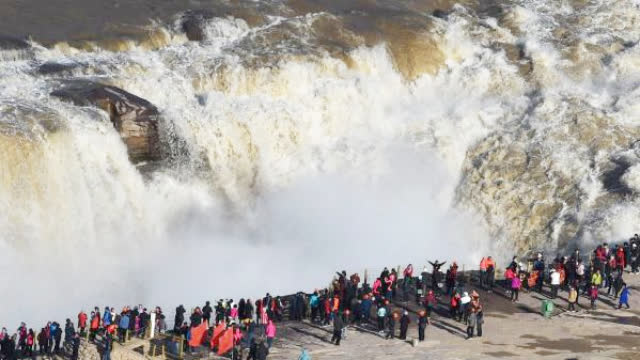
(464, 308)
(555, 283)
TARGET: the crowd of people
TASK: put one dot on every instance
(248, 327)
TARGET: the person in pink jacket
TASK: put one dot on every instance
(516, 284)
(271, 333)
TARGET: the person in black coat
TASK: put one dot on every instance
(75, 346)
(58, 337)
(258, 351)
(206, 312)
(423, 320)
(404, 325)
(9, 348)
(179, 319)
(338, 324)
(196, 317)
(392, 324)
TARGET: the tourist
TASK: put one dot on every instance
(382, 314)
(75, 346)
(624, 296)
(270, 331)
(483, 272)
(538, 267)
(206, 312)
(516, 284)
(572, 298)
(430, 302)
(82, 321)
(69, 331)
(465, 302)
(555, 283)
(593, 295)
(338, 325)
(42, 342)
(423, 320)
(491, 273)
(393, 317)
(454, 305)
(123, 326)
(435, 274)
(31, 337)
(404, 325)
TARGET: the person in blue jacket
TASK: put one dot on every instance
(106, 318)
(123, 326)
(624, 296)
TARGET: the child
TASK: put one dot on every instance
(516, 283)
(573, 298)
(624, 296)
(234, 314)
(593, 294)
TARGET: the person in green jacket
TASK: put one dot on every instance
(596, 278)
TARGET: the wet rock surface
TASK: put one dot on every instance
(135, 118)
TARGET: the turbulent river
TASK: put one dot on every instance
(302, 137)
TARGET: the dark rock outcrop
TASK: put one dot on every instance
(12, 43)
(135, 118)
(50, 68)
(193, 23)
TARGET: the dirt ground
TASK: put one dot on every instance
(511, 331)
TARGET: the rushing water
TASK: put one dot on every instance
(309, 137)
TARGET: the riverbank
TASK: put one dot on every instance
(511, 331)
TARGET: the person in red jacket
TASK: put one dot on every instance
(621, 258)
(430, 302)
(82, 321)
(455, 305)
(327, 310)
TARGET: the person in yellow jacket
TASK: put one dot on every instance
(596, 278)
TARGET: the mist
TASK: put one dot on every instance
(393, 211)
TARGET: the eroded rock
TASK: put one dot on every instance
(135, 118)
(193, 23)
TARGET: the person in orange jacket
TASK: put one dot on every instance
(483, 271)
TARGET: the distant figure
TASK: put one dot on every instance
(555, 283)
(423, 321)
(179, 318)
(516, 284)
(593, 294)
(573, 298)
(338, 324)
(624, 296)
(435, 274)
(75, 346)
(404, 325)
(271, 333)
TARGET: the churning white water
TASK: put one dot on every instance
(292, 168)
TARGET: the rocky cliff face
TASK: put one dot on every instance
(532, 189)
(135, 118)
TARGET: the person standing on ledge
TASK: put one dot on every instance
(423, 320)
(624, 296)
(271, 333)
(435, 274)
(404, 325)
(338, 324)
